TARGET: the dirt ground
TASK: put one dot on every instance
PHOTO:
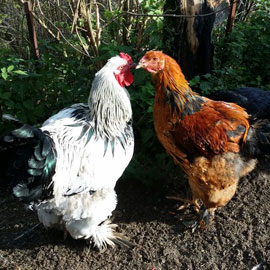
(237, 239)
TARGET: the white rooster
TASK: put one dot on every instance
(67, 170)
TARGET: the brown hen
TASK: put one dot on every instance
(212, 141)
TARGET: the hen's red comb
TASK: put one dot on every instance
(127, 57)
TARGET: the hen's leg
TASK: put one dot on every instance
(206, 215)
(203, 220)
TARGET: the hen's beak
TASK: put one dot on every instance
(140, 65)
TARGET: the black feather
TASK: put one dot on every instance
(183, 106)
(84, 130)
(37, 152)
(106, 143)
(46, 147)
(256, 101)
(258, 139)
(74, 125)
(27, 162)
(36, 164)
(90, 134)
(112, 142)
(80, 112)
(35, 172)
(24, 132)
(8, 139)
(121, 140)
(18, 164)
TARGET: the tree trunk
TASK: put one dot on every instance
(188, 40)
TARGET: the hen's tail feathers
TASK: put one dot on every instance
(258, 139)
(27, 159)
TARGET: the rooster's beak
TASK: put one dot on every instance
(133, 65)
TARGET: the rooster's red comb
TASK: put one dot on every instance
(127, 57)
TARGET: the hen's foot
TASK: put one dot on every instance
(187, 203)
(204, 219)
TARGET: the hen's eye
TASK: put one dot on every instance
(155, 59)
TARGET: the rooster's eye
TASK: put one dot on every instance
(121, 67)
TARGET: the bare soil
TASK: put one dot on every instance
(238, 238)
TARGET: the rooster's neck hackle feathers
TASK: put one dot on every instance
(109, 103)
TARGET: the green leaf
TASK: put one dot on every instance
(150, 109)
(205, 86)
(4, 75)
(20, 72)
(6, 95)
(9, 103)
(39, 110)
(28, 104)
(10, 68)
(147, 135)
(4, 70)
(194, 81)
(207, 76)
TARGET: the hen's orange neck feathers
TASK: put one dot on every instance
(172, 86)
(174, 77)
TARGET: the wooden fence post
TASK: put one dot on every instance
(32, 30)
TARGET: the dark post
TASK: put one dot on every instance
(31, 29)
(231, 17)
(189, 39)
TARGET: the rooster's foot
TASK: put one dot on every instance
(105, 236)
(27, 232)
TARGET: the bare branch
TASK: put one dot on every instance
(82, 43)
(71, 8)
(44, 25)
(75, 18)
(58, 31)
(176, 15)
(91, 31)
(98, 30)
(110, 5)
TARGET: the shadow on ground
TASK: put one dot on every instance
(237, 239)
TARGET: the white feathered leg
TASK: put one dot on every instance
(87, 217)
(101, 236)
(48, 217)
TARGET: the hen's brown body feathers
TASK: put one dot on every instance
(204, 137)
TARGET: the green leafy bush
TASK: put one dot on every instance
(241, 58)
(33, 91)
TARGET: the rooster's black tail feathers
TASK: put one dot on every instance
(258, 139)
(27, 160)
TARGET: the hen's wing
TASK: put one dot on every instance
(218, 127)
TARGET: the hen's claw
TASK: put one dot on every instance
(187, 203)
(202, 221)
